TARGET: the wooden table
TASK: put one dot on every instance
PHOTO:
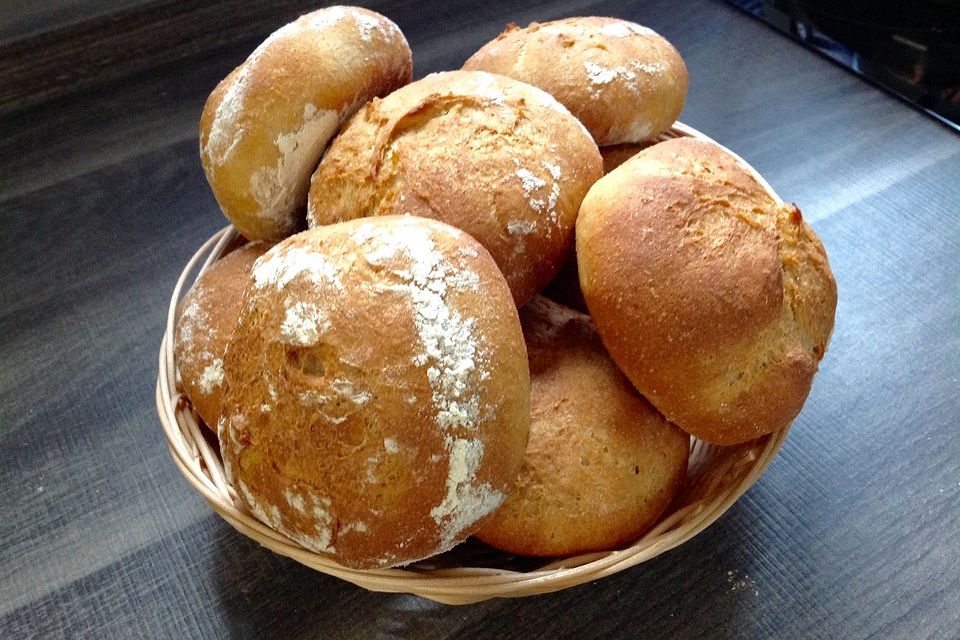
(851, 533)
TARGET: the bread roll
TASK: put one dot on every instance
(716, 301)
(377, 402)
(205, 326)
(601, 465)
(498, 158)
(265, 126)
(625, 82)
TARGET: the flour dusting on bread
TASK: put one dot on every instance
(303, 324)
(466, 501)
(280, 266)
(278, 187)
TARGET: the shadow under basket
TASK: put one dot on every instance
(471, 572)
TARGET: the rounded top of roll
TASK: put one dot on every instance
(625, 82)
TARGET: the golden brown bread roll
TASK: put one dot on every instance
(602, 464)
(377, 401)
(625, 82)
(205, 326)
(498, 158)
(716, 301)
(264, 128)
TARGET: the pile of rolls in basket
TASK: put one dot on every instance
(516, 303)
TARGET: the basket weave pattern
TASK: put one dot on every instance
(716, 477)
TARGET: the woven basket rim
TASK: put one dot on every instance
(200, 465)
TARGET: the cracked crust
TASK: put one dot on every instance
(265, 126)
(716, 301)
(492, 156)
(377, 399)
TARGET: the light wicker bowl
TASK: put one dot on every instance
(471, 572)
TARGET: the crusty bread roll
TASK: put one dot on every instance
(264, 128)
(602, 464)
(716, 301)
(377, 401)
(495, 157)
(205, 326)
(625, 82)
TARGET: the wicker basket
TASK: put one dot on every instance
(471, 572)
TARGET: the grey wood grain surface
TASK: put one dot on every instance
(851, 532)
(22, 20)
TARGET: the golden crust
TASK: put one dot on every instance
(715, 301)
(377, 401)
(495, 157)
(265, 126)
(623, 81)
(208, 316)
(602, 464)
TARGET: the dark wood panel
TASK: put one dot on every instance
(137, 39)
(20, 20)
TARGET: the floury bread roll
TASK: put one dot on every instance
(264, 127)
(498, 158)
(716, 301)
(602, 464)
(377, 402)
(625, 82)
(205, 326)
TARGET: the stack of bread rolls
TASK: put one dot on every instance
(382, 375)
